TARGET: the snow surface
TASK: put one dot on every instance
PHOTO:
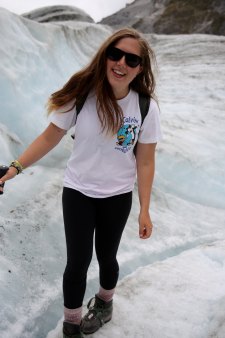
(172, 285)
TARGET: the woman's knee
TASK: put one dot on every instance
(109, 267)
(76, 269)
(108, 273)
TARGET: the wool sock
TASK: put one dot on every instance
(73, 316)
(106, 295)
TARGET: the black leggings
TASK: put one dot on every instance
(84, 216)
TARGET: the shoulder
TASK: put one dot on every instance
(90, 100)
(153, 116)
(153, 105)
(66, 108)
(148, 106)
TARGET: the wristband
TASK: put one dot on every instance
(16, 164)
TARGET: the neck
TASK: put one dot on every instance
(121, 94)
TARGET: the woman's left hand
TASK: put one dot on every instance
(145, 225)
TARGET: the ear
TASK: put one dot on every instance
(140, 70)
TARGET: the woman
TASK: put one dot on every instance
(102, 168)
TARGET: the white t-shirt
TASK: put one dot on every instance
(101, 165)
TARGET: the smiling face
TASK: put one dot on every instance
(119, 74)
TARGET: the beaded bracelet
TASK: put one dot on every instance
(16, 164)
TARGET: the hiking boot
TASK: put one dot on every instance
(99, 314)
(71, 331)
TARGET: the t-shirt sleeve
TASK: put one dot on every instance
(62, 119)
(150, 131)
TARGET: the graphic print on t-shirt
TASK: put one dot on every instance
(127, 134)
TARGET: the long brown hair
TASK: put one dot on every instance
(93, 77)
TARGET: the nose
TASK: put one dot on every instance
(122, 61)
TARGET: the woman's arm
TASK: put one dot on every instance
(40, 147)
(145, 158)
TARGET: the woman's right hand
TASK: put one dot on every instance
(11, 173)
(38, 148)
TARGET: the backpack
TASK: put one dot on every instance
(144, 103)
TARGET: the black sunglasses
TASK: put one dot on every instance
(116, 54)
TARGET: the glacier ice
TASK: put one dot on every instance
(170, 286)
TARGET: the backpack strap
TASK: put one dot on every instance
(79, 106)
(144, 103)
